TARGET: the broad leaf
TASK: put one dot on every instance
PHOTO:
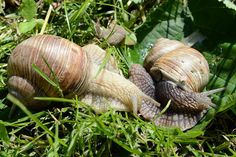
(25, 27)
(165, 21)
(228, 4)
(214, 18)
(172, 29)
(222, 64)
(28, 9)
(3, 133)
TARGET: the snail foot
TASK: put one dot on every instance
(170, 118)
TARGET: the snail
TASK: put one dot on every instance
(177, 73)
(72, 68)
(114, 34)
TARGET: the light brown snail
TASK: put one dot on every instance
(179, 74)
(68, 64)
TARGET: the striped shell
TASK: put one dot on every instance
(46, 51)
(174, 61)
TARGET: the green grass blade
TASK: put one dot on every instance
(56, 99)
(28, 113)
(67, 18)
(3, 133)
(42, 74)
(104, 62)
(73, 142)
(55, 78)
(54, 82)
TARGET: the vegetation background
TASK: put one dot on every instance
(75, 130)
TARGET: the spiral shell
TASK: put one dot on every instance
(174, 61)
(43, 51)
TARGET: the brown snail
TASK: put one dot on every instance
(72, 67)
(179, 74)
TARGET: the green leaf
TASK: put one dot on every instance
(130, 39)
(137, 1)
(173, 29)
(227, 102)
(228, 4)
(3, 133)
(25, 27)
(169, 10)
(28, 9)
(214, 19)
(39, 22)
(222, 64)
(165, 21)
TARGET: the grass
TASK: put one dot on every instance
(74, 129)
(88, 134)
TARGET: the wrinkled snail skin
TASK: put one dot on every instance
(66, 63)
(139, 76)
(182, 101)
(170, 118)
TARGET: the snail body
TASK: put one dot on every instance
(184, 101)
(70, 67)
(170, 118)
(101, 103)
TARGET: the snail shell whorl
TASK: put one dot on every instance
(178, 63)
(161, 47)
(42, 50)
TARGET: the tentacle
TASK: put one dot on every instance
(213, 91)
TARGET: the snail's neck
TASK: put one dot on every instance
(110, 84)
